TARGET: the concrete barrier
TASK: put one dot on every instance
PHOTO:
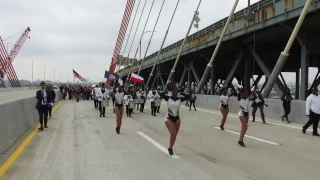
(273, 111)
(16, 117)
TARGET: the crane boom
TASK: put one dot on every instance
(16, 48)
(7, 66)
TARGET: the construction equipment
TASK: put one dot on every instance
(7, 59)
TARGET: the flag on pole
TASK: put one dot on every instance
(109, 75)
(76, 75)
(136, 78)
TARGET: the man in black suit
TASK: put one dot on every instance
(44, 97)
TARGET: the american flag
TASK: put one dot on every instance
(76, 75)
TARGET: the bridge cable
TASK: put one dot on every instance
(127, 80)
(135, 33)
(154, 28)
(181, 48)
(125, 48)
(160, 51)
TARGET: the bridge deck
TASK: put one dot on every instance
(80, 145)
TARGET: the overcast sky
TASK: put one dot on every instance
(81, 34)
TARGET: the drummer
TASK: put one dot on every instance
(142, 97)
(153, 96)
(103, 97)
(129, 102)
(131, 91)
(138, 94)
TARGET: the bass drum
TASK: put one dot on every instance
(157, 102)
(131, 105)
(105, 103)
(139, 101)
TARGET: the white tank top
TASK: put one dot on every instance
(174, 106)
(119, 97)
(224, 100)
(245, 104)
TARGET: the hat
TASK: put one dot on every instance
(314, 89)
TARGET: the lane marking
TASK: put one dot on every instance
(251, 137)
(159, 146)
(4, 168)
(276, 124)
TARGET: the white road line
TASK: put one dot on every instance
(159, 146)
(251, 137)
(276, 124)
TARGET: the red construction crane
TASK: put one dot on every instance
(16, 48)
(7, 59)
(6, 65)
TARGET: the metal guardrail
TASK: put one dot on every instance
(266, 9)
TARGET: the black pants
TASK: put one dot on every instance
(50, 111)
(141, 107)
(78, 96)
(43, 114)
(113, 100)
(128, 111)
(192, 102)
(287, 110)
(102, 109)
(153, 108)
(254, 110)
(313, 119)
(96, 103)
(158, 109)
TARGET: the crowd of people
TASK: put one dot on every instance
(130, 97)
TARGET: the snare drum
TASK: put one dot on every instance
(157, 102)
(105, 103)
(131, 105)
(139, 101)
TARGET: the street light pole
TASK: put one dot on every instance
(44, 72)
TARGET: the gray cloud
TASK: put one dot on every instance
(82, 34)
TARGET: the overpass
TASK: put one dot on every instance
(251, 46)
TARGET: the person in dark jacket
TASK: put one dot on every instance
(50, 104)
(193, 99)
(286, 98)
(43, 98)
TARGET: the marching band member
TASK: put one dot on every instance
(243, 114)
(172, 119)
(118, 106)
(224, 106)
(127, 100)
(142, 96)
(103, 95)
(153, 95)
